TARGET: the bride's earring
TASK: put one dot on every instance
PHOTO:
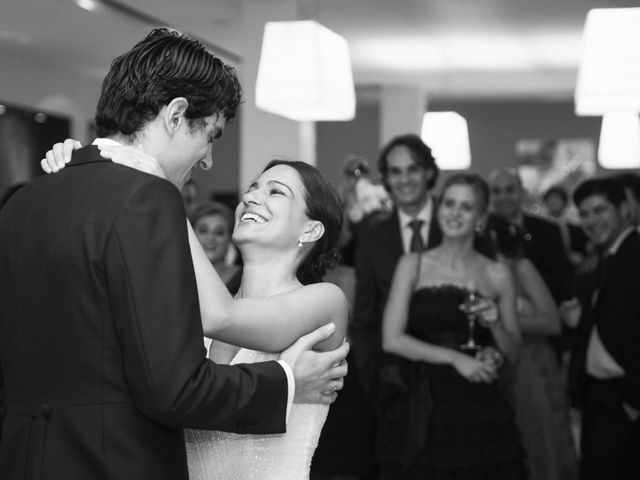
(300, 243)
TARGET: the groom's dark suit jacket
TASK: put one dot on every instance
(100, 337)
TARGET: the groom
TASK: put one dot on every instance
(100, 336)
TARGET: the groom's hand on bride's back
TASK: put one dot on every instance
(318, 375)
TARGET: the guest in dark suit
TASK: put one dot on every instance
(409, 173)
(605, 365)
(556, 199)
(631, 183)
(100, 331)
(543, 240)
(543, 243)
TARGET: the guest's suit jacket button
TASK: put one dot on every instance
(45, 410)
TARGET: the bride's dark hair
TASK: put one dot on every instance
(322, 204)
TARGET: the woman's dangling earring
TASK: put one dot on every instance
(300, 243)
(478, 228)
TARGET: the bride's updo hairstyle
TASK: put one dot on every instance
(322, 204)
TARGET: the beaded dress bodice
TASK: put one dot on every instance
(230, 456)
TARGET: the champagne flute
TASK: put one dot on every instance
(471, 299)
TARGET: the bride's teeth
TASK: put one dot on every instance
(252, 217)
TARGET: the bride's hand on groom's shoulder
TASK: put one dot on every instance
(59, 155)
(128, 155)
(318, 375)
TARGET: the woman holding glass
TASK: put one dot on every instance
(449, 322)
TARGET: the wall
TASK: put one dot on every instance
(336, 140)
(495, 127)
(52, 88)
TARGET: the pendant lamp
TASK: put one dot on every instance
(305, 73)
(619, 145)
(447, 135)
(609, 71)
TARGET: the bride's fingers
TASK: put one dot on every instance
(44, 164)
(53, 161)
(68, 146)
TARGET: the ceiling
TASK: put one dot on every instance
(451, 48)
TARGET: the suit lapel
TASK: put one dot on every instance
(613, 263)
(393, 235)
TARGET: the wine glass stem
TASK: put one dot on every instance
(472, 324)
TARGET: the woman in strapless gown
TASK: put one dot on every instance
(444, 413)
(281, 279)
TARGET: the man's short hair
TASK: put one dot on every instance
(607, 187)
(419, 151)
(163, 66)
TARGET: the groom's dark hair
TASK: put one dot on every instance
(163, 66)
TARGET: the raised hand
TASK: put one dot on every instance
(318, 375)
(59, 155)
(485, 310)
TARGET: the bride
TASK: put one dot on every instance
(286, 228)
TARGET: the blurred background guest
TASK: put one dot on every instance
(346, 446)
(605, 361)
(543, 243)
(631, 183)
(213, 224)
(534, 382)
(556, 201)
(409, 173)
(190, 195)
(443, 414)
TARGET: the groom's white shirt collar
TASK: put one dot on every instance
(105, 141)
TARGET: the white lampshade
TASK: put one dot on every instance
(305, 73)
(609, 71)
(448, 136)
(620, 141)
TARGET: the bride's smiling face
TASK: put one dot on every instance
(272, 210)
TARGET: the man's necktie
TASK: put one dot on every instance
(416, 245)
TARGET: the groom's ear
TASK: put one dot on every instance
(175, 114)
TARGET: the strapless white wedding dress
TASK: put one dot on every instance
(215, 455)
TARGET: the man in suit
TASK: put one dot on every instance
(543, 239)
(605, 365)
(100, 335)
(543, 243)
(631, 184)
(409, 173)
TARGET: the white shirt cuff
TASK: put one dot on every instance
(291, 387)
